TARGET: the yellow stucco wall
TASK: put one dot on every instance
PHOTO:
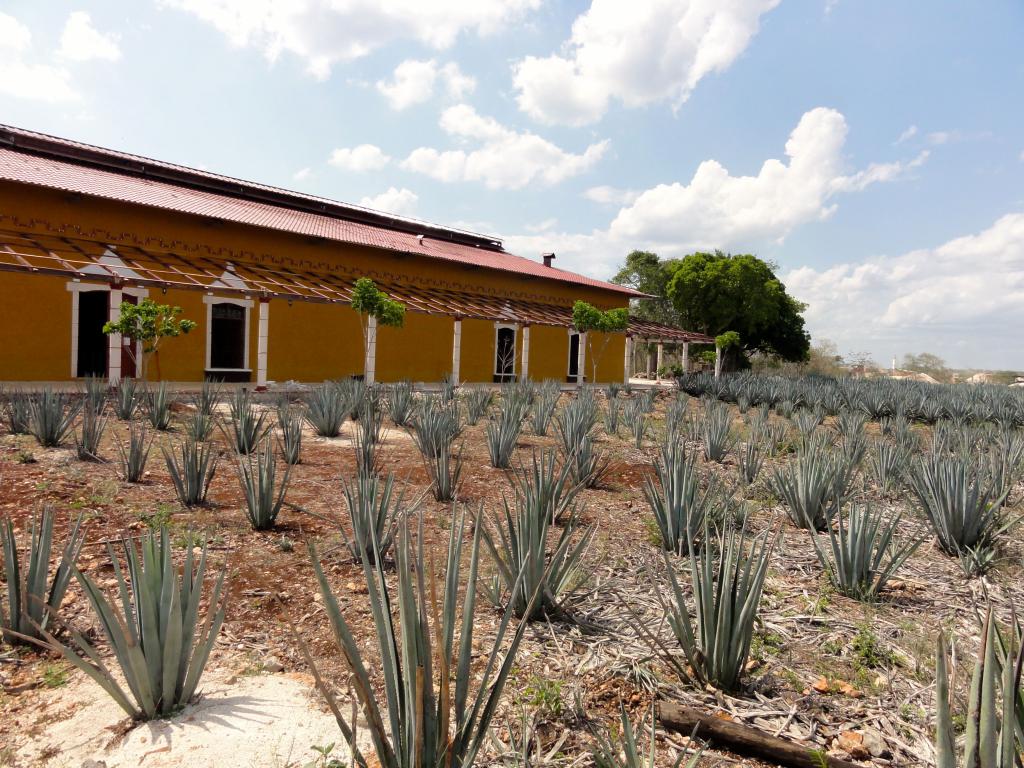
(421, 350)
(312, 342)
(549, 353)
(307, 341)
(35, 328)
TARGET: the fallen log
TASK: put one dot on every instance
(745, 740)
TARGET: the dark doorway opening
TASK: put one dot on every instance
(227, 337)
(93, 313)
(505, 355)
(574, 357)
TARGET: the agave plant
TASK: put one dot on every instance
(400, 402)
(589, 465)
(863, 554)
(291, 439)
(87, 438)
(548, 394)
(478, 403)
(158, 640)
(717, 432)
(426, 713)
(33, 599)
(989, 740)
(199, 426)
(95, 394)
(681, 508)
(503, 433)
(611, 417)
(575, 422)
(434, 433)
(352, 392)
(208, 398)
(812, 487)
(620, 750)
(263, 495)
(326, 410)
(158, 407)
(727, 582)
(247, 427)
(375, 512)
(546, 486)
(135, 454)
(191, 470)
(675, 415)
(51, 416)
(960, 501)
(19, 413)
(126, 399)
(518, 545)
(751, 459)
(887, 464)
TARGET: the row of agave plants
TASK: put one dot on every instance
(877, 398)
(727, 569)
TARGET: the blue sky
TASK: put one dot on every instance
(873, 149)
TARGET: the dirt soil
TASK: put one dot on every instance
(821, 664)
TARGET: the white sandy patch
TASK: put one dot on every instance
(261, 721)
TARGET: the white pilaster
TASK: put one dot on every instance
(456, 351)
(114, 339)
(627, 363)
(524, 369)
(582, 360)
(686, 357)
(718, 361)
(262, 335)
(370, 364)
(661, 360)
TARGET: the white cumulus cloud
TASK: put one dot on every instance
(322, 33)
(24, 76)
(81, 41)
(637, 54)
(365, 157)
(963, 299)
(401, 202)
(414, 82)
(716, 209)
(607, 195)
(504, 159)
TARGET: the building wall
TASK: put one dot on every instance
(312, 342)
(549, 353)
(35, 327)
(421, 350)
(307, 341)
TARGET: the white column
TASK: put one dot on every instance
(456, 351)
(524, 371)
(261, 344)
(114, 339)
(718, 361)
(581, 360)
(686, 357)
(627, 360)
(650, 360)
(370, 364)
(661, 360)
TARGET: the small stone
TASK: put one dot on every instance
(272, 665)
(874, 743)
(90, 763)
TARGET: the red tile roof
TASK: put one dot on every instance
(32, 158)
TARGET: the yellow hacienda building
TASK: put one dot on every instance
(267, 276)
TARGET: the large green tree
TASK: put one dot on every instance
(718, 292)
(646, 272)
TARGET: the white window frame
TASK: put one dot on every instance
(569, 354)
(515, 344)
(210, 299)
(76, 288)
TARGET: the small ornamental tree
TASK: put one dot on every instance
(148, 324)
(370, 301)
(586, 318)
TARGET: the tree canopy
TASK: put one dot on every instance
(714, 293)
(148, 323)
